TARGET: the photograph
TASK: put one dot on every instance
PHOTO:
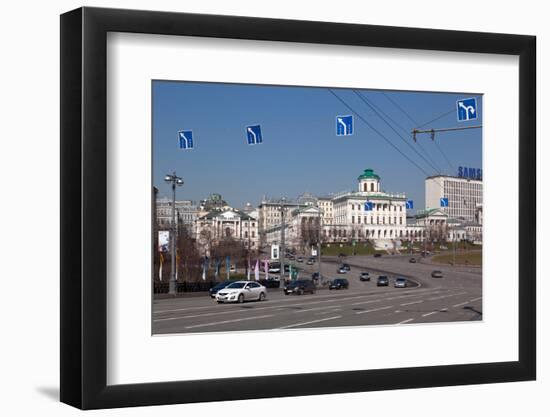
(291, 207)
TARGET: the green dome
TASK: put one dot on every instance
(368, 174)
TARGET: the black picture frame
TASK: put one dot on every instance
(84, 207)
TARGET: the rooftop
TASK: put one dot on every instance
(368, 174)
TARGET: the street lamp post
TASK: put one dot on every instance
(282, 248)
(319, 247)
(174, 180)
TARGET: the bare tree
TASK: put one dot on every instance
(188, 256)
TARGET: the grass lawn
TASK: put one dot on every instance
(462, 258)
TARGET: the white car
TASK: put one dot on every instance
(241, 291)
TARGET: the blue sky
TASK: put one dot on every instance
(300, 150)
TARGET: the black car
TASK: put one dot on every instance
(377, 255)
(299, 287)
(214, 290)
(338, 284)
(382, 281)
(412, 260)
(346, 267)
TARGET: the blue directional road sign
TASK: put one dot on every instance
(344, 125)
(466, 109)
(254, 134)
(444, 202)
(185, 139)
(369, 205)
(409, 205)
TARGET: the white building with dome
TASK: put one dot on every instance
(346, 216)
(368, 213)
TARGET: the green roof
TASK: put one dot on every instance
(367, 174)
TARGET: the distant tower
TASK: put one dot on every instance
(369, 182)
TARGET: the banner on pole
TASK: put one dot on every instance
(163, 241)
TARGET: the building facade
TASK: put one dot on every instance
(186, 213)
(343, 217)
(215, 225)
(465, 196)
(369, 212)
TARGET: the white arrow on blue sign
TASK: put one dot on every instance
(409, 205)
(444, 202)
(185, 139)
(466, 109)
(369, 205)
(254, 134)
(344, 125)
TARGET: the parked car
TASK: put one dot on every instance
(437, 274)
(310, 261)
(346, 267)
(338, 284)
(400, 282)
(382, 281)
(412, 260)
(365, 276)
(342, 270)
(214, 290)
(241, 291)
(271, 282)
(299, 287)
(377, 255)
(299, 259)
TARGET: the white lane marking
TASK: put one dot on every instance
(228, 321)
(374, 309)
(180, 309)
(367, 302)
(446, 296)
(314, 309)
(334, 310)
(475, 299)
(442, 310)
(392, 298)
(405, 321)
(320, 298)
(310, 322)
(461, 304)
(412, 302)
(306, 304)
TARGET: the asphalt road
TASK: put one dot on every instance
(455, 297)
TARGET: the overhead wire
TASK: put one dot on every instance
(350, 108)
(422, 125)
(377, 111)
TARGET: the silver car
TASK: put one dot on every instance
(241, 291)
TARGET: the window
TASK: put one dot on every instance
(372, 186)
(352, 219)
